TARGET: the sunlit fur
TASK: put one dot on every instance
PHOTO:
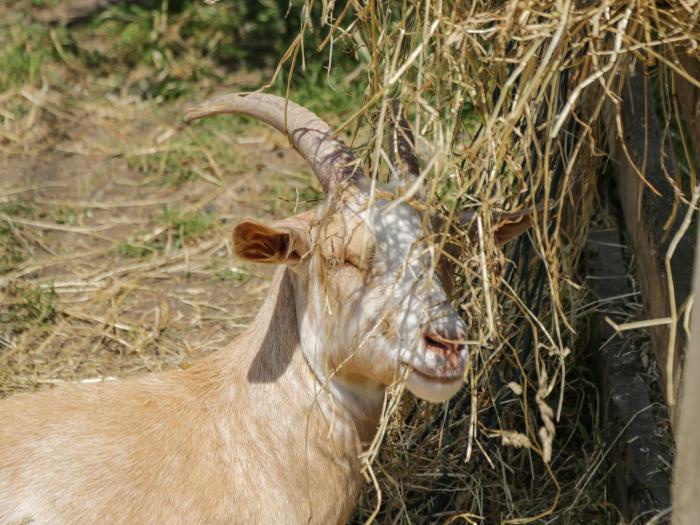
(239, 437)
(373, 294)
(269, 429)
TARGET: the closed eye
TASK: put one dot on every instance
(336, 263)
(362, 262)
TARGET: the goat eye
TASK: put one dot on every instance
(346, 262)
(363, 261)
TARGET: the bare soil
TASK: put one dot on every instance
(112, 268)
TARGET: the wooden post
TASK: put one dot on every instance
(640, 151)
(686, 478)
(688, 96)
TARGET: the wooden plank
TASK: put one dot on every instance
(688, 96)
(640, 150)
(641, 485)
(686, 478)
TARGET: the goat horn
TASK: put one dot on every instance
(402, 143)
(330, 158)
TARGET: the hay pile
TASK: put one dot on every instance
(505, 99)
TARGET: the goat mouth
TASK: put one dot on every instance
(436, 377)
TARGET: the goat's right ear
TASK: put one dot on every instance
(275, 244)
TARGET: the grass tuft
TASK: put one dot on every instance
(29, 306)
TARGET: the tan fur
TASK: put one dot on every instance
(244, 436)
(268, 430)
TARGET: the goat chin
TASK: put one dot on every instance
(433, 391)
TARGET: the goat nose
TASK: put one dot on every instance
(448, 328)
(449, 348)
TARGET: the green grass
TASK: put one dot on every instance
(12, 253)
(173, 167)
(13, 246)
(20, 208)
(326, 93)
(187, 224)
(186, 154)
(16, 246)
(19, 66)
(180, 227)
(135, 249)
(174, 44)
(165, 49)
(23, 51)
(66, 215)
(234, 274)
(28, 306)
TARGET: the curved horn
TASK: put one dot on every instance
(330, 158)
(402, 146)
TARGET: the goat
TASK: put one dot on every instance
(269, 429)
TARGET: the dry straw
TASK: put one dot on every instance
(505, 100)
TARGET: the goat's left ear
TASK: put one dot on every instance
(278, 243)
(509, 225)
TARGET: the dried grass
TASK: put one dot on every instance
(114, 268)
(505, 100)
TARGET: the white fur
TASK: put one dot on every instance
(408, 296)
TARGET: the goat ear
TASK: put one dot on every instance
(275, 244)
(508, 226)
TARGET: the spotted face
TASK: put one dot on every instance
(390, 315)
(370, 305)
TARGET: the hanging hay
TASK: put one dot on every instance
(505, 99)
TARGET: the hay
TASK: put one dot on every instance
(505, 99)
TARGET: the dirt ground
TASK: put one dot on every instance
(114, 237)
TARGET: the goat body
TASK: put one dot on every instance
(269, 430)
(247, 435)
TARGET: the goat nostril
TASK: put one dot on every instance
(449, 350)
(436, 343)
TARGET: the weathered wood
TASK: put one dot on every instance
(686, 478)
(646, 214)
(688, 96)
(641, 485)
